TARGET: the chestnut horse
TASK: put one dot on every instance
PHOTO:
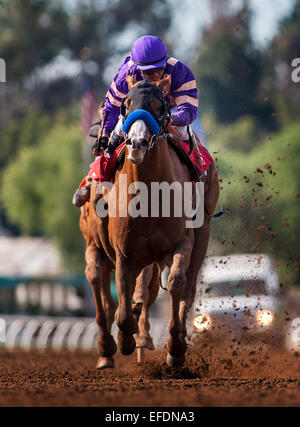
(139, 247)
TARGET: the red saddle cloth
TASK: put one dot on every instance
(102, 169)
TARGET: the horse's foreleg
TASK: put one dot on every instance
(146, 290)
(176, 287)
(95, 275)
(201, 240)
(126, 274)
(197, 258)
(107, 300)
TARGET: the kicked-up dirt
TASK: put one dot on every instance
(211, 377)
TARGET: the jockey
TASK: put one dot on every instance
(148, 60)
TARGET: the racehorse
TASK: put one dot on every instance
(138, 247)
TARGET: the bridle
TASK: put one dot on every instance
(159, 131)
(162, 133)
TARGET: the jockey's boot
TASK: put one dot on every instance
(81, 195)
(192, 140)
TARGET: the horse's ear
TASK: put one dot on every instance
(131, 79)
(126, 105)
(164, 83)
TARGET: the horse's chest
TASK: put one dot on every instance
(145, 240)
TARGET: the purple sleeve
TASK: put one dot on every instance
(185, 115)
(112, 119)
(185, 94)
(114, 97)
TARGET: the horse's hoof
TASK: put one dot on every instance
(175, 362)
(145, 342)
(127, 346)
(105, 362)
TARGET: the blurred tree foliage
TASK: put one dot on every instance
(34, 32)
(38, 186)
(244, 135)
(22, 132)
(252, 113)
(260, 191)
(284, 48)
(229, 71)
(286, 45)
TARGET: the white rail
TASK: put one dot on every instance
(59, 333)
(42, 332)
(66, 296)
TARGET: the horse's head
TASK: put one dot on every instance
(145, 111)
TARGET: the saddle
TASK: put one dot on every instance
(103, 168)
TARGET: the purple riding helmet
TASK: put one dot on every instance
(149, 52)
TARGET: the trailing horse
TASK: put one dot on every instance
(138, 247)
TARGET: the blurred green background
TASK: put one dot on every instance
(249, 105)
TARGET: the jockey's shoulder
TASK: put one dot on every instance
(172, 62)
(175, 64)
(180, 73)
(123, 69)
(176, 67)
(128, 65)
(120, 78)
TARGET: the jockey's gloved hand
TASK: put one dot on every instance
(100, 145)
(110, 149)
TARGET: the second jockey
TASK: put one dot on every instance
(148, 60)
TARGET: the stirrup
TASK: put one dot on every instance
(194, 144)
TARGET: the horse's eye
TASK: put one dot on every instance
(128, 141)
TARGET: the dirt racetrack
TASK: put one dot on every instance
(209, 378)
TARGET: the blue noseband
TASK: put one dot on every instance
(141, 115)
